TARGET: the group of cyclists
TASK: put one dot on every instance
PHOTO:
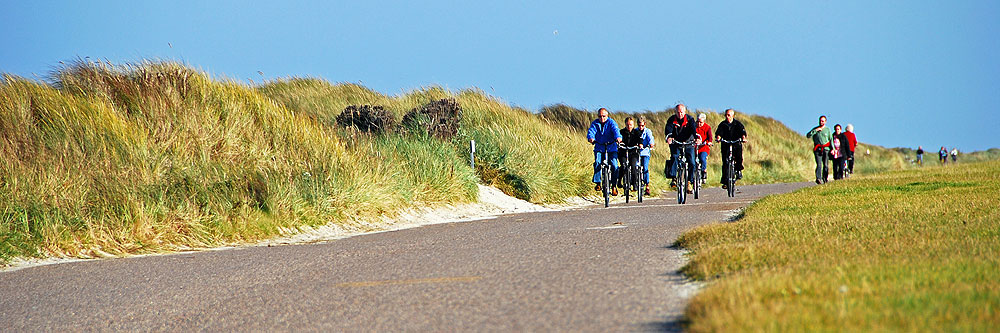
(683, 134)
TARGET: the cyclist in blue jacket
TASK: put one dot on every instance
(604, 134)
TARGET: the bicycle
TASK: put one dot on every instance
(606, 174)
(681, 178)
(632, 177)
(729, 168)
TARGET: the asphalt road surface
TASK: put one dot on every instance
(591, 269)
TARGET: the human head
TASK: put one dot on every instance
(681, 110)
(730, 114)
(701, 118)
(836, 128)
(602, 114)
(642, 122)
(629, 123)
(920, 147)
(822, 120)
(849, 128)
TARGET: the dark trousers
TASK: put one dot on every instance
(850, 162)
(838, 167)
(737, 158)
(675, 150)
(627, 160)
(822, 164)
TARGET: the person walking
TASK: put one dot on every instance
(943, 155)
(954, 154)
(920, 155)
(852, 142)
(838, 152)
(821, 136)
(705, 131)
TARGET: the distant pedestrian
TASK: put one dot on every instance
(954, 154)
(852, 141)
(821, 136)
(943, 155)
(920, 155)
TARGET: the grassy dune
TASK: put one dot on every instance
(112, 160)
(913, 250)
(774, 153)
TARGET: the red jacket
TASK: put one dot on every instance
(706, 136)
(851, 140)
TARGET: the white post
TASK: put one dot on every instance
(472, 154)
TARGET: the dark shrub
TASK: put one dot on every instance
(439, 119)
(367, 118)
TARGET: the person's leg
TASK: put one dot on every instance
(726, 147)
(819, 155)
(674, 151)
(837, 165)
(850, 162)
(613, 155)
(738, 159)
(645, 170)
(692, 155)
(598, 157)
(703, 160)
(826, 165)
(622, 155)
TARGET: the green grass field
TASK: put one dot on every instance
(913, 250)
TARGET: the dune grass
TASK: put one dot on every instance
(111, 160)
(913, 250)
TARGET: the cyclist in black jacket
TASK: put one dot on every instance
(731, 130)
(680, 128)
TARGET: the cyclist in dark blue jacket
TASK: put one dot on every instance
(603, 132)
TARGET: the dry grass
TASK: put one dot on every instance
(913, 250)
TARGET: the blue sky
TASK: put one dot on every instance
(905, 73)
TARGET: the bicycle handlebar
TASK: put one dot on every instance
(740, 141)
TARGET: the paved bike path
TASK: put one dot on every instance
(591, 269)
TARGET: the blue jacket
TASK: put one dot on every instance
(607, 132)
(647, 140)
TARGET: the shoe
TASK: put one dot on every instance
(647, 191)
(614, 191)
(673, 184)
(724, 186)
(688, 190)
(597, 187)
(739, 175)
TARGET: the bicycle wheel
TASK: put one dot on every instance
(626, 182)
(638, 183)
(681, 184)
(605, 184)
(696, 179)
(731, 179)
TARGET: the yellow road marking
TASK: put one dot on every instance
(412, 281)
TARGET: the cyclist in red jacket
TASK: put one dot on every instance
(705, 131)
